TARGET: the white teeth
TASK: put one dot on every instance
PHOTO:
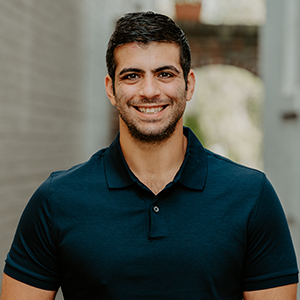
(152, 110)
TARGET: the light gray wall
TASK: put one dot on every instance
(42, 109)
(280, 41)
(53, 108)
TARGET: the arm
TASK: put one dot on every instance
(270, 259)
(15, 290)
(286, 292)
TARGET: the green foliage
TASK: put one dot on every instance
(191, 121)
(254, 108)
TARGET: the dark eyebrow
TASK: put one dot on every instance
(131, 70)
(170, 67)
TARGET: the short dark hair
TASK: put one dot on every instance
(143, 28)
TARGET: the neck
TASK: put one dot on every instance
(155, 165)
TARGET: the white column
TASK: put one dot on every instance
(280, 57)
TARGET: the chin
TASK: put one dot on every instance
(152, 135)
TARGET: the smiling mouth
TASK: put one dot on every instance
(150, 110)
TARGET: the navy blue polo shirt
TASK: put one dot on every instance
(95, 230)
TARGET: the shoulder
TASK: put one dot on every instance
(226, 170)
(80, 172)
(218, 172)
(70, 183)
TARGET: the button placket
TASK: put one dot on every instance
(157, 224)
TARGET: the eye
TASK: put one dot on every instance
(165, 75)
(131, 76)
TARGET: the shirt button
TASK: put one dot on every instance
(156, 209)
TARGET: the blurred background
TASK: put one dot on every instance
(54, 112)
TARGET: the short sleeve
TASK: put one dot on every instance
(32, 258)
(270, 259)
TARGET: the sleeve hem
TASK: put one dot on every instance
(38, 283)
(270, 283)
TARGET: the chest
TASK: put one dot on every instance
(145, 238)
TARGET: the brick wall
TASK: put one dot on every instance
(53, 109)
(235, 45)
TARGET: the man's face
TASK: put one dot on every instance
(150, 90)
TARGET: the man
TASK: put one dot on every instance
(155, 215)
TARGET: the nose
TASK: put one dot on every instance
(149, 87)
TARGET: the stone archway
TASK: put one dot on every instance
(226, 113)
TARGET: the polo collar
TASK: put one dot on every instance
(118, 174)
(192, 173)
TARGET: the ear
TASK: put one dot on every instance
(110, 90)
(191, 85)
